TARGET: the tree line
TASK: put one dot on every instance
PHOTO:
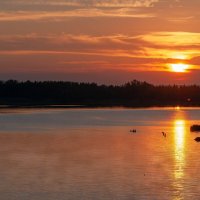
(133, 94)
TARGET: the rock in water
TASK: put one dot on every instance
(197, 139)
(195, 128)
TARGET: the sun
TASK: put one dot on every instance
(179, 67)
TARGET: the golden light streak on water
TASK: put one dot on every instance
(179, 156)
(179, 141)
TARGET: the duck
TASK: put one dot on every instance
(133, 131)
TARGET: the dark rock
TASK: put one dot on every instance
(197, 139)
(195, 128)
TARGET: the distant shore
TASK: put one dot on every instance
(134, 94)
(92, 107)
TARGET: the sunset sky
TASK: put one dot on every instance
(103, 41)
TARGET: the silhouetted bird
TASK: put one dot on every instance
(164, 134)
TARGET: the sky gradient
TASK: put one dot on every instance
(103, 41)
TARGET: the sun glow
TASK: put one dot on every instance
(179, 67)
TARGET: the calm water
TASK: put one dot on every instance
(61, 154)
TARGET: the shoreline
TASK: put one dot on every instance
(36, 106)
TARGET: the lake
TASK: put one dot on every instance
(61, 154)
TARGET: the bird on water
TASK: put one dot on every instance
(164, 134)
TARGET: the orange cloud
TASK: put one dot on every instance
(63, 15)
(135, 53)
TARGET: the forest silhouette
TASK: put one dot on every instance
(131, 94)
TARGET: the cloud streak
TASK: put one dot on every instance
(81, 3)
(133, 53)
(169, 41)
(59, 16)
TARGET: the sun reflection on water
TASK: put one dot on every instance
(179, 153)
